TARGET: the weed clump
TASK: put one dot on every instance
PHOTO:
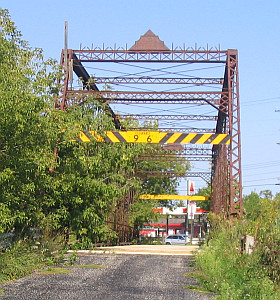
(224, 269)
(25, 256)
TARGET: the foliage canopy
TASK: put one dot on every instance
(46, 180)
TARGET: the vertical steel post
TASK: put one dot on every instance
(61, 104)
(235, 185)
(65, 45)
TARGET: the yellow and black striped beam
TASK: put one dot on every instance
(155, 137)
(174, 197)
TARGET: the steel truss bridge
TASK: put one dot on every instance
(182, 87)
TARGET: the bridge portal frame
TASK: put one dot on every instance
(226, 160)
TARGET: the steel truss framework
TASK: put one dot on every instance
(176, 158)
(226, 160)
(198, 98)
(190, 154)
(198, 151)
(122, 55)
(204, 175)
(152, 80)
(169, 129)
(167, 117)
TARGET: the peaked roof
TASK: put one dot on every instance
(149, 42)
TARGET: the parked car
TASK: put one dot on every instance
(175, 240)
(185, 236)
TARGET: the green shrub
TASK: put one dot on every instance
(19, 261)
(23, 257)
(223, 269)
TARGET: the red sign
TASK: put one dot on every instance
(191, 187)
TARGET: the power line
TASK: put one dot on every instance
(245, 103)
(262, 179)
(259, 185)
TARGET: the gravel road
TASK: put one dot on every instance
(150, 277)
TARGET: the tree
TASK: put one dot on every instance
(90, 178)
(252, 205)
(205, 191)
(266, 194)
(78, 189)
(25, 153)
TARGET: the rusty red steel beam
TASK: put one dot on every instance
(183, 130)
(184, 152)
(157, 80)
(199, 98)
(81, 72)
(216, 95)
(175, 158)
(227, 180)
(171, 56)
(167, 117)
(204, 175)
(235, 190)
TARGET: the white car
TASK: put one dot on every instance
(175, 240)
(185, 236)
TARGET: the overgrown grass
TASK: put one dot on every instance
(23, 257)
(19, 261)
(224, 270)
(195, 288)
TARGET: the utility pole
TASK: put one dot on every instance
(277, 110)
(167, 224)
(187, 220)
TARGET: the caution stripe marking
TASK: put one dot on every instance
(167, 137)
(154, 137)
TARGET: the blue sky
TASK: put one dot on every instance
(251, 27)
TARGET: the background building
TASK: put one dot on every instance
(178, 220)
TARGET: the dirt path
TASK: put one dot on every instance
(145, 250)
(151, 277)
